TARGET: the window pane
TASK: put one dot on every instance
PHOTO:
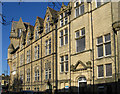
(80, 44)
(77, 3)
(66, 57)
(82, 9)
(100, 71)
(98, 4)
(61, 33)
(66, 20)
(77, 34)
(108, 49)
(100, 50)
(62, 58)
(66, 66)
(61, 15)
(62, 67)
(65, 13)
(61, 22)
(49, 73)
(38, 51)
(49, 46)
(61, 41)
(66, 31)
(83, 31)
(107, 37)
(66, 39)
(109, 70)
(46, 74)
(77, 12)
(100, 40)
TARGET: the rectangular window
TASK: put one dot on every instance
(49, 46)
(46, 47)
(46, 74)
(66, 20)
(28, 56)
(46, 28)
(28, 75)
(107, 45)
(35, 75)
(66, 36)
(61, 16)
(77, 11)
(38, 75)
(100, 71)
(49, 73)
(61, 22)
(62, 63)
(38, 50)
(100, 46)
(48, 70)
(61, 38)
(36, 35)
(21, 59)
(61, 19)
(108, 69)
(66, 63)
(82, 9)
(35, 52)
(80, 41)
(99, 3)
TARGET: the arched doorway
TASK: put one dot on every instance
(82, 85)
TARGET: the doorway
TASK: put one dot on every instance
(82, 85)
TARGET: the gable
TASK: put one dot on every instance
(20, 24)
(78, 66)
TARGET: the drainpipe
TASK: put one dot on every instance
(41, 61)
(56, 58)
(31, 64)
(24, 67)
(92, 41)
(70, 44)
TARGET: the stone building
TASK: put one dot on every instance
(75, 49)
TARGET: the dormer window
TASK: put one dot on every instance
(76, 3)
(36, 33)
(48, 17)
(28, 40)
(79, 10)
(19, 32)
(47, 26)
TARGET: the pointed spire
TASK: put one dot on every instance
(63, 4)
(20, 20)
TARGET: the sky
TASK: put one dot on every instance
(28, 11)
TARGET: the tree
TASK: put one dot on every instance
(17, 84)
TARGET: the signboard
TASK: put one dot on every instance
(66, 87)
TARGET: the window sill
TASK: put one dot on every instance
(108, 77)
(100, 78)
(63, 45)
(107, 56)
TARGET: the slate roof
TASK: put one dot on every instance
(41, 20)
(53, 12)
(14, 23)
(11, 46)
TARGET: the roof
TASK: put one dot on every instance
(14, 23)
(11, 46)
(41, 20)
(53, 12)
